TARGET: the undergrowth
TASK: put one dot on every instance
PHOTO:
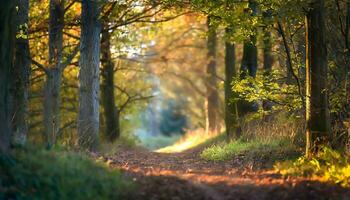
(275, 137)
(226, 151)
(125, 140)
(327, 165)
(57, 174)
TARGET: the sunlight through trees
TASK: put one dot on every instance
(204, 90)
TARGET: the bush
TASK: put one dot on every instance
(328, 165)
(42, 174)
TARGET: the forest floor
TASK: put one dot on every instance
(186, 176)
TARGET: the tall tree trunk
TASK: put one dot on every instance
(212, 101)
(268, 61)
(6, 64)
(88, 117)
(231, 114)
(347, 27)
(52, 105)
(54, 73)
(21, 70)
(317, 112)
(249, 65)
(111, 116)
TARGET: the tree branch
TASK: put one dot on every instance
(70, 57)
(289, 59)
(40, 66)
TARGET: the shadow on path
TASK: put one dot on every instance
(186, 176)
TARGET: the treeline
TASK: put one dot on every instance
(74, 29)
(313, 37)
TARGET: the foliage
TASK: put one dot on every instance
(271, 88)
(328, 164)
(154, 39)
(40, 174)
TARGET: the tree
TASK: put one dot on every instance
(267, 54)
(317, 112)
(54, 72)
(6, 65)
(249, 65)
(21, 71)
(111, 113)
(231, 114)
(89, 86)
(111, 14)
(212, 99)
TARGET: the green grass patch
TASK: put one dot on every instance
(40, 174)
(328, 165)
(226, 151)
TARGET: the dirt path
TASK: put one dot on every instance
(186, 176)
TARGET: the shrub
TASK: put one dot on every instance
(328, 165)
(42, 174)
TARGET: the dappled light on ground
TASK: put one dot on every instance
(185, 176)
(190, 140)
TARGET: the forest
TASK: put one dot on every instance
(175, 99)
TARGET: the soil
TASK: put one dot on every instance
(186, 176)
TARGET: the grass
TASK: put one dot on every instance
(327, 165)
(125, 140)
(226, 151)
(277, 137)
(57, 174)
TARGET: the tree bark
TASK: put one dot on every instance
(231, 114)
(111, 116)
(268, 61)
(317, 112)
(88, 117)
(21, 71)
(212, 101)
(54, 73)
(249, 65)
(6, 64)
(347, 27)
